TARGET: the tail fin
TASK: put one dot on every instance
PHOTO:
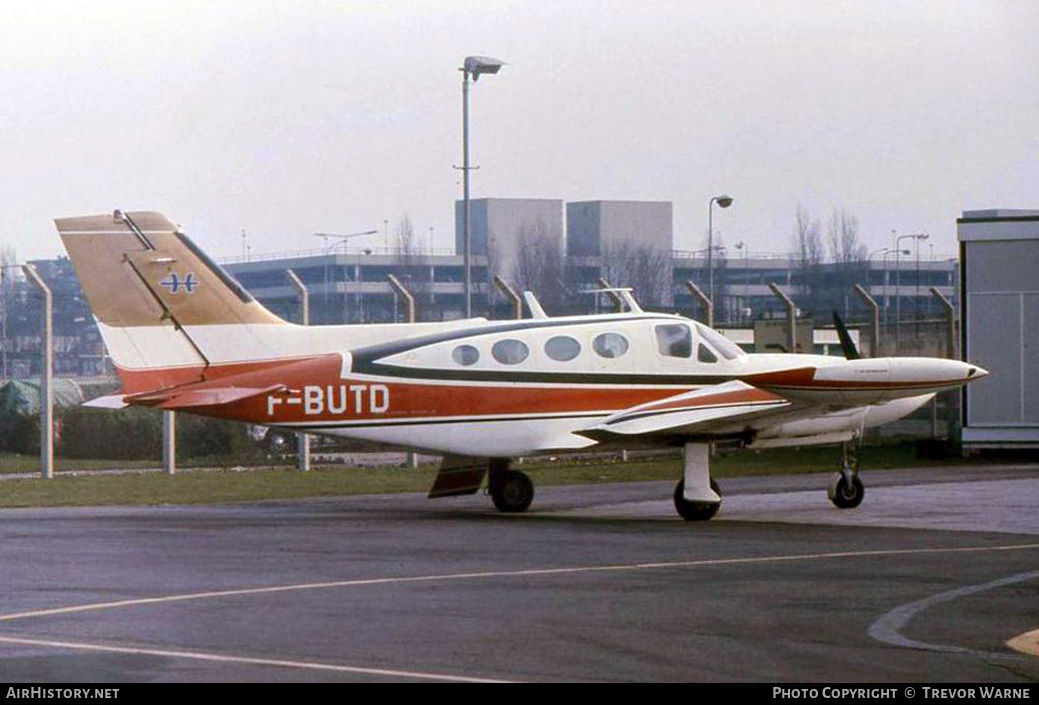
(149, 285)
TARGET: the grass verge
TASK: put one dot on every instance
(254, 484)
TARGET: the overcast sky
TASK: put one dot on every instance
(288, 117)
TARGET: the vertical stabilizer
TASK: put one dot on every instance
(148, 285)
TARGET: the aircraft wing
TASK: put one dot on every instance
(702, 411)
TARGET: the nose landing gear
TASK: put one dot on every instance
(697, 497)
(846, 489)
(696, 511)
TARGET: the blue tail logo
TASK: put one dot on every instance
(174, 283)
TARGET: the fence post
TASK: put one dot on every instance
(705, 301)
(791, 317)
(302, 439)
(412, 459)
(46, 376)
(874, 327)
(517, 302)
(169, 442)
(618, 302)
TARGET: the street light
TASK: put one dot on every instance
(887, 298)
(342, 238)
(474, 66)
(742, 246)
(898, 283)
(328, 248)
(724, 201)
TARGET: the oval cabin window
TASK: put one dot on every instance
(465, 355)
(562, 348)
(510, 351)
(610, 345)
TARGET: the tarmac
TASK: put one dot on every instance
(934, 578)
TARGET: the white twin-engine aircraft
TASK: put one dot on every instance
(185, 336)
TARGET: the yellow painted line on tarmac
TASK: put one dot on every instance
(1027, 643)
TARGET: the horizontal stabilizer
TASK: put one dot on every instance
(109, 401)
(189, 398)
(690, 413)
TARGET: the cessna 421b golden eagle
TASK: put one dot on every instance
(185, 336)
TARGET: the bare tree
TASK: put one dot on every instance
(808, 257)
(541, 267)
(412, 267)
(645, 268)
(849, 256)
(405, 236)
(843, 236)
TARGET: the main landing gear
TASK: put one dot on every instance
(511, 490)
(846, 489)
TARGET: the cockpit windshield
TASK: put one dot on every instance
(725, 347)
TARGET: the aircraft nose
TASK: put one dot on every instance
(975, 372)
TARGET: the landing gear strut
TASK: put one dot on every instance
(511, 490)
(846, 489)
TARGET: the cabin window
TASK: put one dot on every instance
(610, 345)
(562, 348)
(510, 351)
(674, 340)
(704, 354)
(465, 355)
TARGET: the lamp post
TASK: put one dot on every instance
(341, 238)
(328, 248)
(898, 285)
(869, 286)
(473, 66)
(723, 201)
(742, 247)
(916, 299)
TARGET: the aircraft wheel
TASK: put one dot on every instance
(280, 442)
(695, 511)
(846, 495)
(514, 494)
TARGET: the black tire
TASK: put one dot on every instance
(845, 495)
(514, 493)
(695, 511)
(280, 442)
